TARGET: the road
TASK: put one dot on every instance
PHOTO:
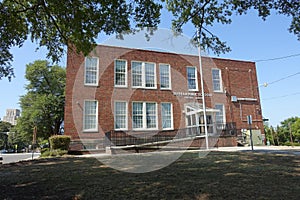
(16, 157)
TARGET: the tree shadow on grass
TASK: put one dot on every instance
(217, 176)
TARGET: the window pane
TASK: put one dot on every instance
(120, 72)
(136, 68)
(191, 76)
(220, 114)
(137, 115)
(216, 79)
(166, 115)
(164, 76)
(91, 70)
(150, 74)
(120, 115)
(151, 115)
(90, 115)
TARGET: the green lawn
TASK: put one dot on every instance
(220, 175)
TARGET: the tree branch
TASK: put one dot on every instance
(54, 21)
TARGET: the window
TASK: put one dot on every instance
(91, 71)
(120, 73)
(164, 74)
(120, 115)
(216, 78)
(144, 115)
(143, 75)
(167, 116)
(220, 115)
(192, 78)
(90, 118)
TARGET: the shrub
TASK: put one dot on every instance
(61, 142)
(53, 153)
(290, 144)
(43, 150)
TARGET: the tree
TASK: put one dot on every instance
(56, 24)
(203, 14)
(43, 105)
(4, 127)
(291, 124)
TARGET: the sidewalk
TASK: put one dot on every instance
(263, 149)
(256, 149)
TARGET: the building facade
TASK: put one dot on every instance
(122, 96)
(11, 116)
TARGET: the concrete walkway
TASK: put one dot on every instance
(264, 149)
(256, 149)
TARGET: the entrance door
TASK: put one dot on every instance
(209, 121)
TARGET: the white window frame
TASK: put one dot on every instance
(126, 117)
(126, 74)
(144, 76)
(96, 125)
(144, 114)
(172, 119)
(85, 72)
(220, 80)
(169, 70)
(224, 114)
(196, 78)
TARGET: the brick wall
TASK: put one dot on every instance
(239, 79)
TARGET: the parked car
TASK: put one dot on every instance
(3, 151)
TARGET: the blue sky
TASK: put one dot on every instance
(249, 37)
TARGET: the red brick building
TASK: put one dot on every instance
(131, 95)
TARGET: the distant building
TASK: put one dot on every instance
(11, 116)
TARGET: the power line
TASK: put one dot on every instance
(281, 79)
(278, 58)
(283, 96)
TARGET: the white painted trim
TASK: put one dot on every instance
(196, 79)
(83, 123)
(126, 74)
(170, 77)
(126, 119)
(97, 77)
(144, 128)
(172, 117)
(143, 86)
(221, 82)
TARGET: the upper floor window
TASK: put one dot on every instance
(91, 71)
(165, 76)
(192, 78)
(144, 115)
(143, 75)
(217, 81)
(220, 115)
(167, 116)
(120, 73)
(90, 116)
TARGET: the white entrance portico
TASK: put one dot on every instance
(195, 119)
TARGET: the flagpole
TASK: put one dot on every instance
(202, 90)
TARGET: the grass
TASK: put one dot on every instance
(219, 175)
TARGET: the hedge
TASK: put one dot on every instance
(61, 142)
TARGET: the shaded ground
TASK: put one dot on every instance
(220, 175)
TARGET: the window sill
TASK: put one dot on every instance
(90, 131)
(121, 86)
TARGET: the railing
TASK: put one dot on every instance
(123, 138)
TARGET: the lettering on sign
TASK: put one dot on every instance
(190, 95)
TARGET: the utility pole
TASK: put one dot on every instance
(249, 120)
